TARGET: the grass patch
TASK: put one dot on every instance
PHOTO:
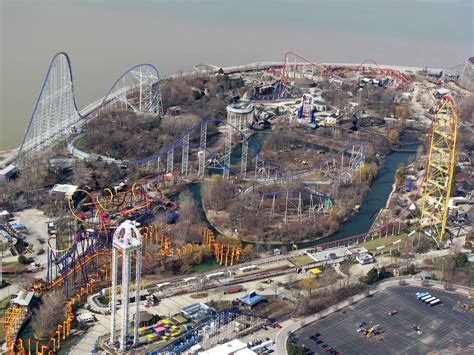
(371, 245)
(205, 266)
(301, 260)
(180, 318)
(11, 264)
(5, 303)
(294, 350)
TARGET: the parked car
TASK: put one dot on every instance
(392, 312)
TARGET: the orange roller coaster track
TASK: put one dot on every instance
(63, 330)
(226, 254)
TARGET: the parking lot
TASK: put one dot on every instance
(440, 327)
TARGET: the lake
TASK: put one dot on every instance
(105, 37)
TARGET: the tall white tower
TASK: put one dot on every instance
(126, 240)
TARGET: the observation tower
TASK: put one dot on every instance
(240, 115)
(127, 239)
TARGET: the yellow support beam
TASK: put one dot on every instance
(440, 168)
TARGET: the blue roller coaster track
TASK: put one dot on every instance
(55, 111)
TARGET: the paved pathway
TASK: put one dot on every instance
(87, 342)
(169, 306)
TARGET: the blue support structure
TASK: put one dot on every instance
(68, 262)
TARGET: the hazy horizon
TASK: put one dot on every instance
(104, 38)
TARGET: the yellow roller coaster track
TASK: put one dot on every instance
(439, 168)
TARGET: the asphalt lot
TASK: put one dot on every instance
(442, 326)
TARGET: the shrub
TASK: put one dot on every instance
(411, 270)
(374, 275)
(396, 253)
(24, 260)
(461, 259)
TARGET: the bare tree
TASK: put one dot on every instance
(49, 314)
(186, 229)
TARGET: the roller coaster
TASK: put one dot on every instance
(440, 168)
(296, 66)
(11, 231)
(71, 263)
(264, 169)
(338, 167)
(199, 133)
(98, 214)
(435, 187)
(55, 114)
(62, 332)
(290, 205)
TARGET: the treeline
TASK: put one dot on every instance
(205, 97)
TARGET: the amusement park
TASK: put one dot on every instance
(216, 211)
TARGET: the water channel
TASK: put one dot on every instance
(359, 223)
(373, 201)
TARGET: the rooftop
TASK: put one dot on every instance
(356, 250)
(232, 347)
(66, 189)
(442, 91)
(432, 71)
(8, 170)
(198, 312)
(240, 107)
(23, 298)
(252, 299)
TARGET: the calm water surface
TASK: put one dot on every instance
(105, 37)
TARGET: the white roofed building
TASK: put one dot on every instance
(233, 347)
(65, 189)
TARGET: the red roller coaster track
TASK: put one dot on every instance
(403, 81)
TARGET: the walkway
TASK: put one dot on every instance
(88, 341)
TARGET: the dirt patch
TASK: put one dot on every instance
(273, 308)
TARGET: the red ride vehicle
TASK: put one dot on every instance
(234, 289)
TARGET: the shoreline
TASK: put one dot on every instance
(248, 67)
(312, 241)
